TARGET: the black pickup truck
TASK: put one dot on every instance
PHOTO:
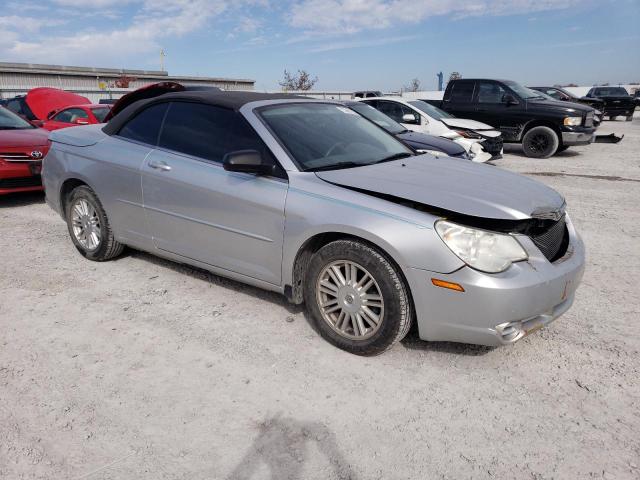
(617, 101)
(542, 125)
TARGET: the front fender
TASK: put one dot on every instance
(406, 235)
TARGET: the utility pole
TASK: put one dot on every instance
(162, 55)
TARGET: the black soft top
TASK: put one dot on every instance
(230, 100)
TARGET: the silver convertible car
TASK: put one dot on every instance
(307, 198)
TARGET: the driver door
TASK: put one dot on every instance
(198, 210)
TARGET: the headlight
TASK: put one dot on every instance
(486, 251)
(435, 153)
(573, 121)
(468, 134)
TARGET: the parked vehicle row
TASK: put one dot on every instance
(323, 202)
(525, 116)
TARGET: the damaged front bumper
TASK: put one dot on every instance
(498, 309)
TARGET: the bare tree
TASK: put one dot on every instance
(414, 85)
(298, 81)
(455, 76)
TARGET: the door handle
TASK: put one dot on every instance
(159, 165)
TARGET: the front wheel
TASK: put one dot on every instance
(89, 226)
(357, 298)
(540, 142)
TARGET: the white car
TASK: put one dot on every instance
(480, 140)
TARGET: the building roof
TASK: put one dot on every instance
(8, 67)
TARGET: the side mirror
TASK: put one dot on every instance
(409, 118)
(81, 121)
(509, 99)
(246, 161)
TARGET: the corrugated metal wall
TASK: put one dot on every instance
(17, 83)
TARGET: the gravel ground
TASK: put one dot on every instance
(141, 368)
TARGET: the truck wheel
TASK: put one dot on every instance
(89, 227)
(540, 142)
(357, 299)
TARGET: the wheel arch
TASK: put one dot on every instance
(542, 123)
(294, 291)
(67, 186)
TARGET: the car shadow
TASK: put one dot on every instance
(21, 199)
(413, 342)
(207, 276)
(282, 446)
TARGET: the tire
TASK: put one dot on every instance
(562, 148)
(84, 213)
(350, 327)
(540, 142)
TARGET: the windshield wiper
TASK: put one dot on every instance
(395, 156)
(335, 166)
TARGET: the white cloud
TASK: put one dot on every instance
(153, 22)
(351, 16)
(327, 47)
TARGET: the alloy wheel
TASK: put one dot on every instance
(350, 300)
(86, 224)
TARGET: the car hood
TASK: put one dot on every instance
(466, 124)
(453, 185)
(29, 137)
(566, 107)
(431, 142)
(44, 100)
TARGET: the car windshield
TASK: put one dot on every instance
(523, 92)
(322, 136)
(100, 113)
(611, 92)
(11, 121)
(377, 117)
(430, 110)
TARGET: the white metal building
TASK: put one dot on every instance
(96, 83)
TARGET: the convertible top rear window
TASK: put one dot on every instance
(145, 126)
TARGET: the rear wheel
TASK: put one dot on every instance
(540, 142)
(356, 298)
(89, 226)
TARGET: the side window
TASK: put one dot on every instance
(70, 115)
(208, 132)
(145, 126)
(461, 92)
(552, 92)
(391, 109)
(490, 92)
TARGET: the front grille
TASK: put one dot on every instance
(554, 241)
(493, 145)
(21, 182)
(16, 157)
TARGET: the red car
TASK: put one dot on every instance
(76, 115)
(22, 148)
